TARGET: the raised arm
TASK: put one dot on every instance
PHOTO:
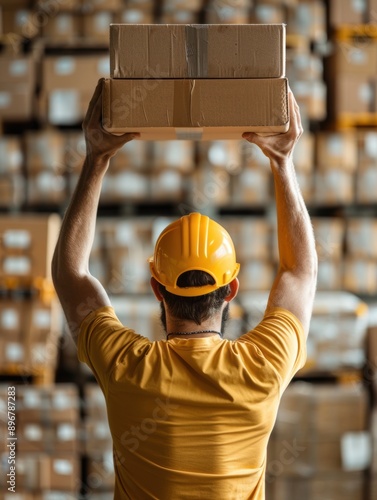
(295, 283)
(78, 291)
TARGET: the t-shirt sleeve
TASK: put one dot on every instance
(103, 342)
(281, 340)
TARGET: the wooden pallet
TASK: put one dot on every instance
(350, 32)
(346, 121)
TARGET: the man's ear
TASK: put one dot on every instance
(234, 286)
(156, 289)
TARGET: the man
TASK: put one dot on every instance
(191, 415)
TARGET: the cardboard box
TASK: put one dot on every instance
(256, 275)
(188, 109)
(12, 191)
(30, 241)
(179, 17)
(268, 12)
(96, 26)
(329, 275)
(171, 154)
(64, 107)
(167, 184)
(311, 97)
(337, 149)
(354, 94)
(100, 475)
(19, 21)
(97, 436)
(11, 155)
(197, 51)
(46, 188)
(137, 14)
(63, 27)
(348, 12)
(100, 5)
(361, 237)
(308, 18)
(251, 187)
(227, 14)
(94, 403)
(251, 236)
(134, 155)
(366, 183)
(329, 236)
(341, 486)
(45, 151)
(359, 275)
(333, 187)
(359, 59)
(16, 102)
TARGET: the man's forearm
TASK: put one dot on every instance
(295, 233)
(78, 228)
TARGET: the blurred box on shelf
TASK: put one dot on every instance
(97, 436)
(50, 404)
(330, 275)
(194, 5)
(268, 13)
(188, 109)
(19, 21)
(348, 12)
(179, 17)
(27, 244)
(221, 13)
(366, 183)
(133, 155)
(337, 331)
(172, 154)
(311, 95)
(197, 51)
(251, 236)
(341, 486)
(63, 27)
(303, 154)
(94, 403)
(96, 26)
(354, 94)
(46, 188)
(308, 18)
(44, 150)
(63, 107)
(360, 275)
(167, 184)
(74, 151)
(333, 187)
(209, 186)
(223, 154)
(37, 437)
(101, 5)
(12, 191)
(11, 155)
(16, 69)
(256, 275)
(361, 237)
(305, 182)
(41, 6)
(124, 186)
(16, 102)
(251, 186)
(135, 15)
(356, 58)
(367, 146)
(100, 475)
(302, 65)
(329, 235)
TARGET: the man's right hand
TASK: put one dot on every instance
(279, 148)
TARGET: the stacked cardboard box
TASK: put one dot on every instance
(366, 174)
(351, 12)
(11, 174)
(18, 86)
(243, 67)
(320, 443)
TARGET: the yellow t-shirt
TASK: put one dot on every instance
(191, 418)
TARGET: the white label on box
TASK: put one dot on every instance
(32, 398)
(66, 432)
(102, 20)
(16, 265)
(124, 234)
(169, 181)
(217, 154)
(16, 238)
(356, 450)
(371, 144)
(358, 56)
(359, 5)
(21, 17)
(64, 23)
(64, 107)
(61, 400)
(14, 352)
(103, 66)
(33, 432)
(18, 67)
(65, 66)
(366, 93)
(5, 99)
(9, 319)
(42, 319)
(62, 467)
(101, 430)
(335, 145)
(132, 16)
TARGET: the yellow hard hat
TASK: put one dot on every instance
(194, 242)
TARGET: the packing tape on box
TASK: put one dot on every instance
(186, 105)
(196, 45)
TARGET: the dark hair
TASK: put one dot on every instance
(197, 309)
